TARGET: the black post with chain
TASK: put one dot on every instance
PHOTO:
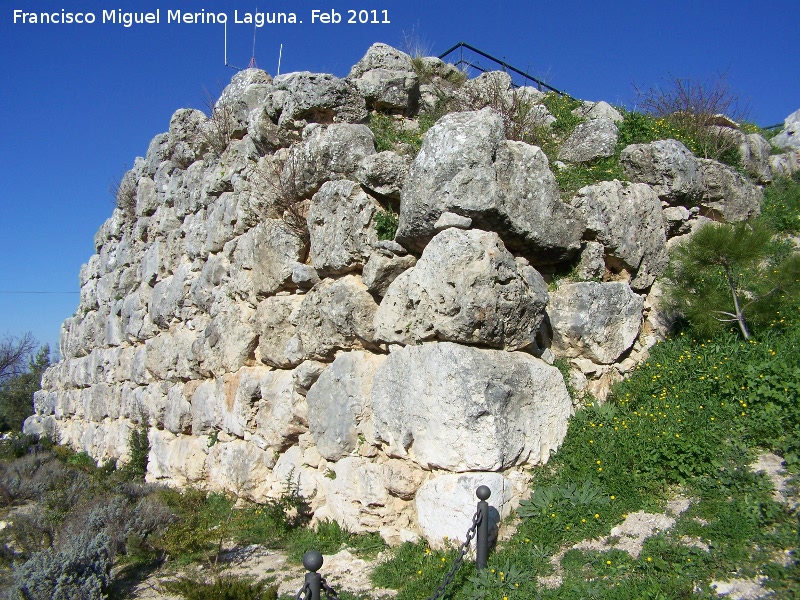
(315, 583)
(312, 560)
(480, 526)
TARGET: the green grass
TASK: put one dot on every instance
(781, 206)
(389, 133)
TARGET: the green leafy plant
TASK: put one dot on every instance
(781, 207)
(386, 222)
(138, 449)
(390, 132)
(507, 581)
(573, 177)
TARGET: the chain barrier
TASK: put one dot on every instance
(304, 593)
(462, 551)
(330, 593)
(316, 583)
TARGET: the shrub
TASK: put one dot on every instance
(219, 129)
(81, 569)
(222, 588)
(694, 107)
(386, 222)
(561, 107)
(138, 449)
(522, 114)
(123, 190)
(20, 377)
(283, 179)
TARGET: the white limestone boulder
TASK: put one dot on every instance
(465, 288)
(599, 321)
(626, 218)
(492, 409)
(467, 167)
(339, 404)
(447, 503)
(341, 227)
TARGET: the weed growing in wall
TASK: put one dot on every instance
(386, 222)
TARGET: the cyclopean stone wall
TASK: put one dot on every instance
(386, 380)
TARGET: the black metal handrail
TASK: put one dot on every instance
(506, 67)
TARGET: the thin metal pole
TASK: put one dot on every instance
(482, 541)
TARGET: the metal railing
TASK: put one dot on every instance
(315, 583)
(467, 62)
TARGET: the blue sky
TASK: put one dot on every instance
(80, 102)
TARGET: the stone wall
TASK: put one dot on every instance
(386, 380)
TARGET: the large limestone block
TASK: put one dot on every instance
(276, 341)
(383, 173)
(335, 315)
(220, 222)
(341, 227)
(783, 165)
(728, 193)
(338, 404)
(599, 321)
(146, 197)
(186, 127)
(213, 275)
(228, 341)
(136, 322)
(171, 355)
(666, 165)
(755, 152)
(205, 401)
(386, 79)
(239, 395)
(447, 503)
(465, 288)
(177, 460)
(321, 98)
(167, 298)
(595, 138)
(281, 414)
(381, 270)
(326, 152)
(241, 468)
(626, 218)
(460, 408)
(178, 411)
(466, 167)
(357, 497)
(596, 110)
(264, 259)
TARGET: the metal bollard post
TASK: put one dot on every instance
(482, 541)
(312, 561)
